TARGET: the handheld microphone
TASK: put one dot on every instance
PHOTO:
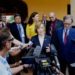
(37, 51)
(30, 43)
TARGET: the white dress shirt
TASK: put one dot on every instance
(41, 40)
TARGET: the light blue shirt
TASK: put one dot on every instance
(21, 32)
(4, 67)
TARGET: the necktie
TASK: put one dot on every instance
(53, 25)
(19, 28)
(65, 37)
(21, 32)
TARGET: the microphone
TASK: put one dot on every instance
(37, 51)
(30, 43)
(54, 52)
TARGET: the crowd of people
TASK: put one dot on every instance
(16, 37)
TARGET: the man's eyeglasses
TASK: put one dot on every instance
(51, 17)
(11, 39)
(67, 23)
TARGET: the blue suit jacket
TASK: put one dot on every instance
(47, 41)
(66, 52)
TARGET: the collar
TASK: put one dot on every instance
(2, 59)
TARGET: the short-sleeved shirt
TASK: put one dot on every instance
(4, 67)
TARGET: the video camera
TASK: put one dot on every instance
(44, 66)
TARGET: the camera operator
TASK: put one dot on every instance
(5, 45)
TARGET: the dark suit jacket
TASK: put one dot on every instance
(66, 52)
(47, 41)
(58, 24)
(14, 30)
(45, 22)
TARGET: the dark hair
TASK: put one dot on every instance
(16, 15)
(31, 17)
(68, 16)
(0, 19)
(4, 35)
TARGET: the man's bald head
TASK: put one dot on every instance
(52, 16)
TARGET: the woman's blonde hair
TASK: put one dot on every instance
(37, 26)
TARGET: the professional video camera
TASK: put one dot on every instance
(42, 64)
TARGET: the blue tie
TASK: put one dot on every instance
(21, 32)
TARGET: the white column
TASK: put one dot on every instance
(73, 10)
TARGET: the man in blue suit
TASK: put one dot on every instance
(66, 46)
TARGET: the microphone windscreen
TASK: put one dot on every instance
(30, 43)
(37, 51)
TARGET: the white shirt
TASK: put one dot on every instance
(4, 67)
(41, 40)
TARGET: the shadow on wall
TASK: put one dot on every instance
(14, 6)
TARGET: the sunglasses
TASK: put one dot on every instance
(11, 39)
(51, 17)
(67, 23)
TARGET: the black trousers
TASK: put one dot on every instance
(64, 65)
